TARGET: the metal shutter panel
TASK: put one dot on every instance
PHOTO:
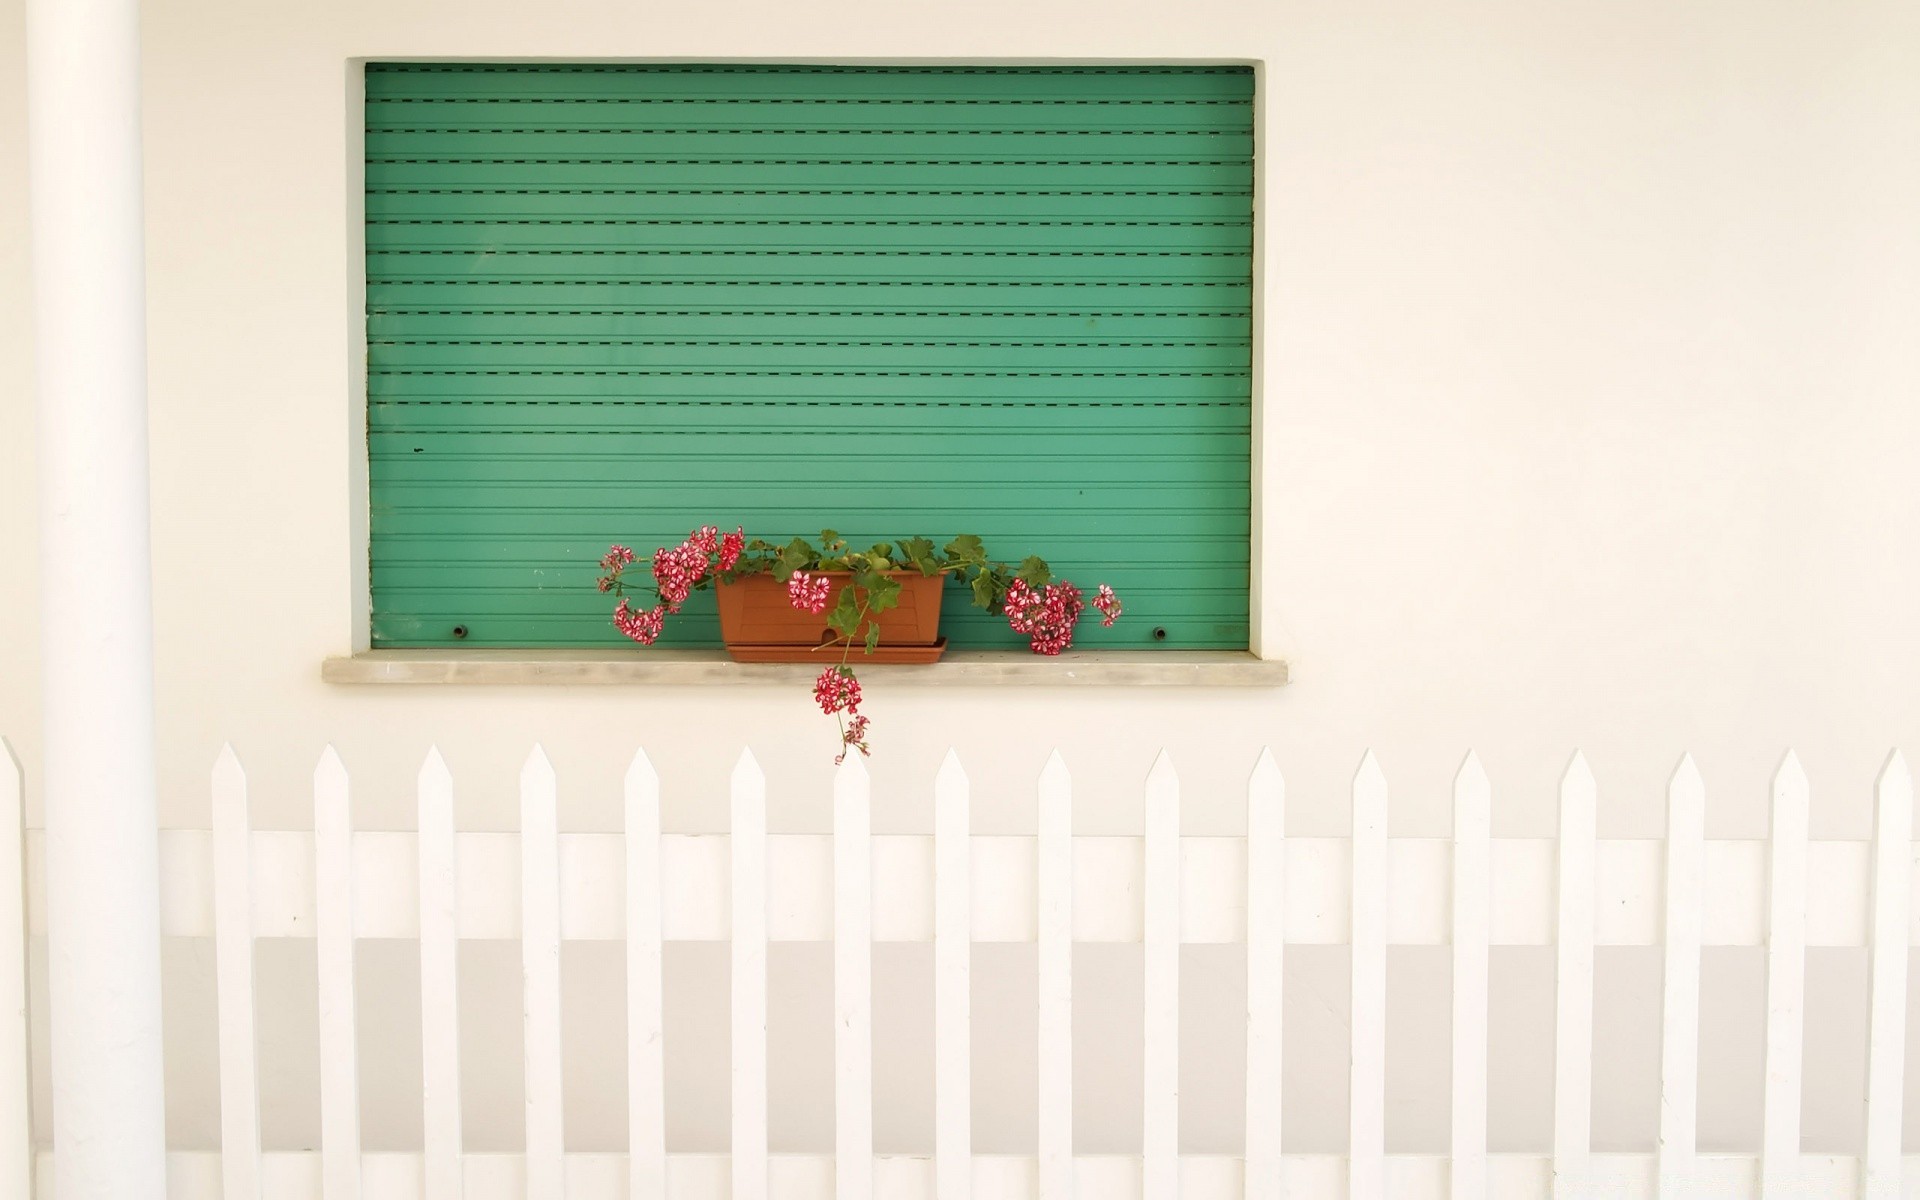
(613, 302)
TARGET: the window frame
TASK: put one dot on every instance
(1262, 623)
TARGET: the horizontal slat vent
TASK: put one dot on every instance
(611, 302)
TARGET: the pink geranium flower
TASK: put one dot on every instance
(809, 593)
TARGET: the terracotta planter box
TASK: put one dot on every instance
(759, 624)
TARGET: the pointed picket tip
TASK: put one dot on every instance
(1686, 778)
(1056, 768)
(1893, 800)
(640, 772)
(1369, 800)
(434, 766)
(1471, 776)
(1265, 768)
(1578, 773)
(226, 767)
(746, 770)
(1791, 774)
(11, 775)
(537, 769)
(1162, 771)
(330, 791)
(1472, 802)
(950, 771)
(1369, 774)
(851, 773)
(329, 767)
(12, 784)
(1687, 797)
(1686, 803)
(1894, 773)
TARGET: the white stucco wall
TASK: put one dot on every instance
(1590, 396)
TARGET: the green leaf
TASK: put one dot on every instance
(882, 550)
(983, 590)
(1034, 571)
(796, 555)
(883, 593)
(873, 636)
(967, 550)
(845, 617)
(919, 553)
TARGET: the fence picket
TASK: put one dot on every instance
(333, 919)
(439, 982)
(1266, 958)
(540, 976)
(1573, 987)
(1887, 999)
(852, 982)
(1472, 920)
(1367, 1099)
(1680, 1005)
(1055, 935)
(16, 1072)
(233, 970)
(952, 982)
(749, 952)
(1786, 983)
(1160, 1155)
(646, 1062)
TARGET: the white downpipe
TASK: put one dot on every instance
(83, 89)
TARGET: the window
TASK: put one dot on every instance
(614, 302)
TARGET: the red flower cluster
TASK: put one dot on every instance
(675, 572)
(614, 561)
(837, 691)
(809, 593)
(1046, 615)
(642, 625)
(853, 737)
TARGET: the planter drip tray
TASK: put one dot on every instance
(827, 653)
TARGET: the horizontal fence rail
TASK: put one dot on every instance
(1268, 891)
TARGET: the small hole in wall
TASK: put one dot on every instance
(460, 631)
(1159, 633)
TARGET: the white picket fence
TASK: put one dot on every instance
(1266, 890)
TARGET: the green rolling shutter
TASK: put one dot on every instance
(611, 302)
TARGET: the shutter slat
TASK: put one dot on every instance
(832, 85)
(1072, 294)
(983, 171)
(747, 114)
(782, 144)
(567, 200)
(529, 324)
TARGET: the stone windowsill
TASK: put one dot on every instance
(1191, 668)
